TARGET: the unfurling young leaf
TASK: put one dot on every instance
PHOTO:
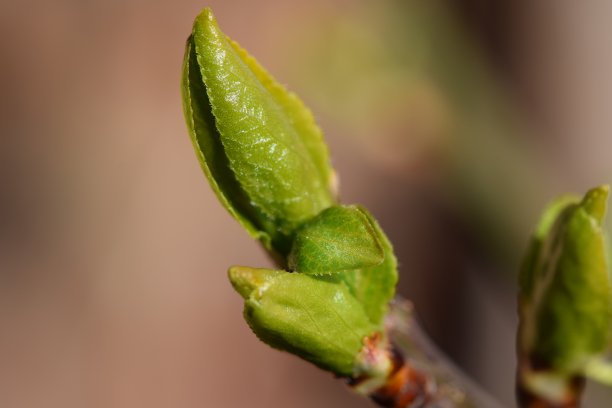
(257, 143)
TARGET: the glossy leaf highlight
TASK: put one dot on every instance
(257, 143)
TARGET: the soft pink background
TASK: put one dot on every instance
(113, 249)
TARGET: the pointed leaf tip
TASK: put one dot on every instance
(206, 15)
(246, 280)
(595, 202)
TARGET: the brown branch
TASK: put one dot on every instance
(422, 377)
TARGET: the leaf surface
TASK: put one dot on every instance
(259, 145)
(373, 286)
(566, 302)
(340, 238)
(317, 320)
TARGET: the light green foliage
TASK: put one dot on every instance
(298, 115)
(247, 129)
(565, 300)
(315, 319)
(340, 238)
(373, 286)
(345, 244)
(267, 162)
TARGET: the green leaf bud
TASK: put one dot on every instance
(315, 319)
(257, 143)
(565, 300)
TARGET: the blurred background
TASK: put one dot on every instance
(453, 121)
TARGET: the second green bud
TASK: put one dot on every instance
(315, 319)
(565, 300)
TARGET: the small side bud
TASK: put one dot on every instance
(315, 319)
(340, 238)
